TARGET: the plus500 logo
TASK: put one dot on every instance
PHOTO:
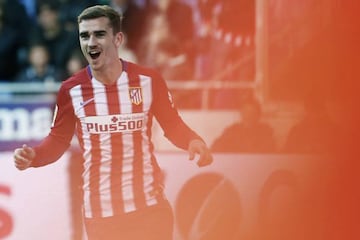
(20, 124)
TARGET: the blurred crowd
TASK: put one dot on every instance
(183, 39)
(206, 40)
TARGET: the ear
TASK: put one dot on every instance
(119, 38)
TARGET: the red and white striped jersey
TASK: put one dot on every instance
(113, 126)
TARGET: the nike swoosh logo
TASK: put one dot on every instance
(86, 102)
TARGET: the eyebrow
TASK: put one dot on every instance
(84, 33)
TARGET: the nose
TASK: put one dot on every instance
(92, 40)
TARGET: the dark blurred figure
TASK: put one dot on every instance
(249, 135)
(12, 31)
(75, 63)
(180, 18)
(226, 46)
(39, 68)
(316, 133)
(126, 53)
(168, 43)
(161, 50)
(70, 9)
(133, 22)
(50, 31)
(227, 39)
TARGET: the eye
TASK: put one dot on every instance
(84, 36)
(100, 34)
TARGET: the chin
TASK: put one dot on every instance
(95, 64)
(95, 67)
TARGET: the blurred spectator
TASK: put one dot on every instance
(161, 50)
(125, 52)
(12, 30)
(226, 46)
(75, 63)
(168, 44)
(249, 135)
(181, 25)
(50, 31)
(316, 133)
(133, 22)
(176, 49)
(172, 62)
(39, 69)
(70, 9)
(227, 39)
(157, 30)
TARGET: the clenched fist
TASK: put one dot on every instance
(197, 146)
(23, 157)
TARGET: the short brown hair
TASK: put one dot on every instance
(98, 11)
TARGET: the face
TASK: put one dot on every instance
(48, 18)
(98, 43)
(38, 56)
(73, 65)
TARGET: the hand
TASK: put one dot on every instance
(198, 146)
(23, 157)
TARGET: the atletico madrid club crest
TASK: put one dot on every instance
(135, 94)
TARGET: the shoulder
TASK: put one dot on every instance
(141, 70)
(78, 78)
(144, 73)
(233, 129)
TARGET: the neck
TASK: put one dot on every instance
(110, 74)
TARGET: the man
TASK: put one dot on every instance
(228, 27)
(110, 104)
(249, 134)
(133, 22)
(50, 30)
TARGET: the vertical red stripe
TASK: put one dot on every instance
(140, 201)
(117, 152)
(158, 176)
(79, 133)
(87, 94)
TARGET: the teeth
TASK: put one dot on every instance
(93, 52)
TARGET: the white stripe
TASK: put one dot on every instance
(145, 83)
(128, 150)
(105, 139)
(77, 100)
(148, 170)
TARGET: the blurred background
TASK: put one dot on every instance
(293, 58)
(253, 77)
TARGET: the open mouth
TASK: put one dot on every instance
(94, 54)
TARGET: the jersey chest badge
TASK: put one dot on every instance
(135, 95)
